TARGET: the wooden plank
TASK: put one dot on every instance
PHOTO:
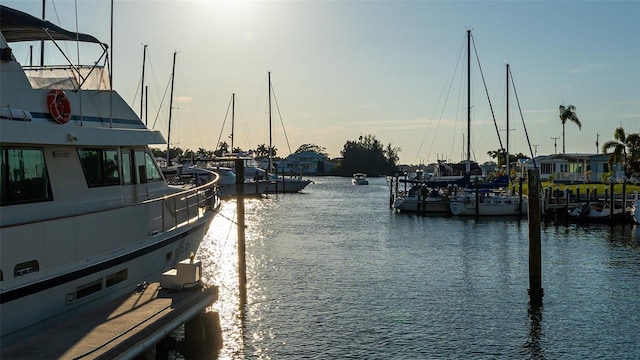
(114, 327)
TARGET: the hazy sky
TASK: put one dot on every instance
(392, 69)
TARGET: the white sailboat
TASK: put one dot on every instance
(491, 203)
(86, 212)
(252, 170)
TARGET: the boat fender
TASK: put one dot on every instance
(59, 106)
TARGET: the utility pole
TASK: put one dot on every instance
(555, 144)
(535, 150)
(597, 143)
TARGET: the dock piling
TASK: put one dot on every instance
(536, 292)
(242, 262)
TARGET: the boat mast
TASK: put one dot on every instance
(507, 150)
(469, 102)
(42, 41)
(144, 58)
(270, 137)
(233, 108)
(170, 108)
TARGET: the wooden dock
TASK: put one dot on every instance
(121, 329)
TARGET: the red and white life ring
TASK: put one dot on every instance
(59, 106)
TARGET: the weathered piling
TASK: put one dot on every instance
(242, 262)
(612, 203)
(393, 180)
(624, 194)
(520, 199)
(477, 202)
(536, 291)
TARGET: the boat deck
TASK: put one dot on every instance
(122, 328)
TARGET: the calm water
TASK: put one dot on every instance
(333, 273)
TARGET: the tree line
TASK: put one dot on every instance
(366, 154)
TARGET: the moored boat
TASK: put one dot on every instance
(87, 215)
(489, 203)
(597, 212)
(252, 171)
(360, 179)
(228, 184)
(423, 199)
(635, 209)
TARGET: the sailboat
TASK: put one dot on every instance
(433, 195)
(252, 170)
(488, 201)
(225, 169)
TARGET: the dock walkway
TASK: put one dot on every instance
(122, 328)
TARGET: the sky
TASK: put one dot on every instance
(392, 69)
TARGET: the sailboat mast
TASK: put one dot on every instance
(270, 137)
(173, 71)
(469, 102)
(507, 150)
(144, 59)
(233, 110)
(42, 41)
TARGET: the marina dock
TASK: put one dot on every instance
(124, 328)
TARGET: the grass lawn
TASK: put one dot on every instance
(617, 189)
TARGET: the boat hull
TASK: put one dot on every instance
(287, 185)
(501, 207)
(83, 266)
(254, 188)
(412, 204)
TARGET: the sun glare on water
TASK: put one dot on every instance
(219, 253)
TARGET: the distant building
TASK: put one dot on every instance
(575, 168)
(305, 162)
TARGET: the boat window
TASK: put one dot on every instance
(26, 268)
(141, 172)
(23, 176)
(127, 165)
(100, 166)
(115, 278)
(153, 173)
(88, 289)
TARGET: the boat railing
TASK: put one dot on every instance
(184, 207)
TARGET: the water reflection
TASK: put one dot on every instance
(219, 250)
(533, 348)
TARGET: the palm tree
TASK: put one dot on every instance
(619, 146)
(568, 113)
(262, 150)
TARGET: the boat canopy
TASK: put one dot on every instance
(19, 26)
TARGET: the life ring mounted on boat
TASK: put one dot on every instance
(59, 106)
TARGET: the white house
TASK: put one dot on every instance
(305, 162)
(574, 168)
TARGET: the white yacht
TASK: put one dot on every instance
(360, 179)
(85, 213)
